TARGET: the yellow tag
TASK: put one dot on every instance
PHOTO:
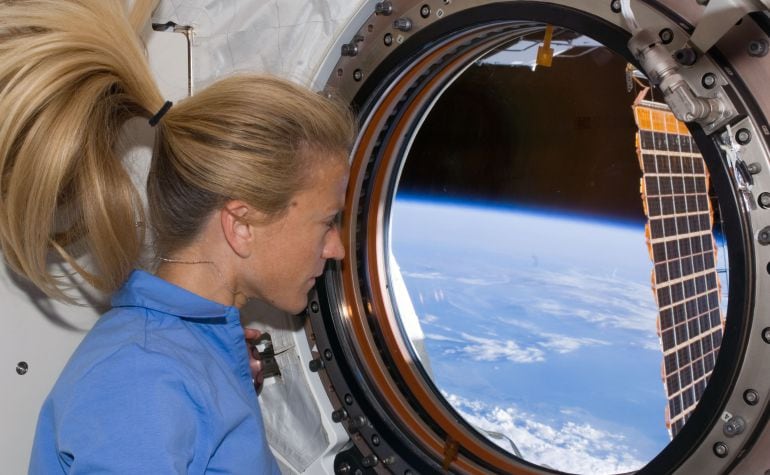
(451, 447)
(545, 52)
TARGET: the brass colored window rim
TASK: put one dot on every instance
(369, 368)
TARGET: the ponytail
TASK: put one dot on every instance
(71, 74)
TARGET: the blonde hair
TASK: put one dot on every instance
(72, 72)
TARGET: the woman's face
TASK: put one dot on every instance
(291, 251)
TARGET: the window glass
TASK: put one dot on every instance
(520, 266)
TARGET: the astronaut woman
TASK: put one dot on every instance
(245, 185)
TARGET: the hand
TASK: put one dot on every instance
(255, 365)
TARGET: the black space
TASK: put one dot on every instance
(558, 138)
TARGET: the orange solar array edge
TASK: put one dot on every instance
(674, 189)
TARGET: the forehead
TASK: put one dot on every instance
(319, 160)
(326, 182)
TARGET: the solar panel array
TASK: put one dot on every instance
(674, 188)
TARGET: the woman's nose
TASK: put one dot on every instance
(334, 249)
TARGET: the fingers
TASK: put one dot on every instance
(255, 365)
(251, 333)
(258, 378)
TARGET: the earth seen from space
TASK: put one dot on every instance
(538, 326)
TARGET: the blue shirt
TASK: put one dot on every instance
(160, 385)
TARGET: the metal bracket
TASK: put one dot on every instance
(663, 71)
(262, 349)
(189, 34)
(719, 16)
(711, 111)
(738, 168)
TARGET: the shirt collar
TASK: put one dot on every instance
(143, 289)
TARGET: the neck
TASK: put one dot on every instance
(202, 278)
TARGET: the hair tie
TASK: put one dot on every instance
(159, 115)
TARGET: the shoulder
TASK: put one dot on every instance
(133, 411)
(143, 328)
(125, 375)
(123, 395)
(122, 354)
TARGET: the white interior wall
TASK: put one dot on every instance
(44, 333)
(290, 38)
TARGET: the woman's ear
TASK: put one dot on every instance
(236, 227)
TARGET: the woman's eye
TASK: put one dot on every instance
(333, 221)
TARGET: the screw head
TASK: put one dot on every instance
(615, 6)
(370, 461)
(358, 74)
(314, 306)
(383, 8)
(736, 425)
(343, 468)
(375, 439)
(425, 11)
(349, 49)
(21, 368)
(358, 422)
(763, 236)
(339, 415)
(388, 39)
(751, 397)
(686, 56)
(720, 449)
(349, 399)
(743, 136)
(666, 35)
(766, 335)
(328, 354)
(709, 80)
(758, 48)
(403, 24)
(315, 365)
(764, 200)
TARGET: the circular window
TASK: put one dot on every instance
(530, 287)
(520, 268)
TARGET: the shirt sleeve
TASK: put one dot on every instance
(135, 412)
